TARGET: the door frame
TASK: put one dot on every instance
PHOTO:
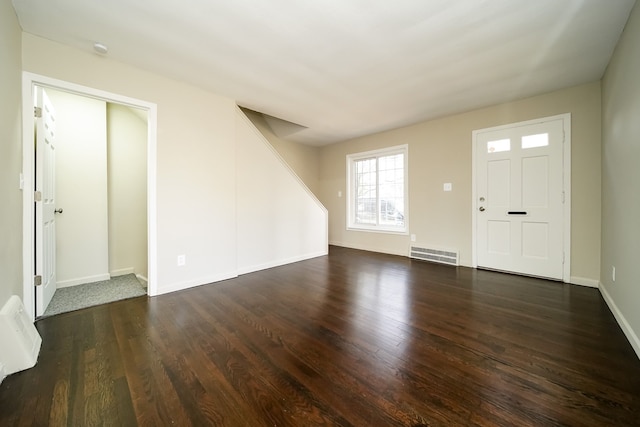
(566, 187)
(29, 81)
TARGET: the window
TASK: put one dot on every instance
(534, 141)
(377, 190)
(498, 145)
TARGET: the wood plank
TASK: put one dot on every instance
(352, 339)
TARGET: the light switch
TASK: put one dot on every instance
(339, 193)
(448, 186)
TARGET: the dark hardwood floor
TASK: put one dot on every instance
(354, 338)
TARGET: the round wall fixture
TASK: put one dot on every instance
(100, 48)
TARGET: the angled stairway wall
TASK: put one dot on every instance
(279, 220)
(304, 160)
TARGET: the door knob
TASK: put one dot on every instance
(481, 209)
(58, 211)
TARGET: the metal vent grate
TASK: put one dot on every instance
(434, 255)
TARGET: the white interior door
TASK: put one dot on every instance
(519, 190)
(45, 222)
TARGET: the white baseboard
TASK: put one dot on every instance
(622, 321)
(385, 251)
(82, 280)
(370, 248)
(121, 272)
(180, 286)
(143, 279)
(582, 281)
(277, 263)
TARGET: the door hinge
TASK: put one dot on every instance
(563, 197)
(37, 280)
(37, 196)
(37, 112)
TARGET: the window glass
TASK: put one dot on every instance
(533, 141)
(365, 191)
(498, 145)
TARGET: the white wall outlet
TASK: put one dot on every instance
(447, 186)
(613, 273)
(182, 260)
(339, 193)
(413, 237)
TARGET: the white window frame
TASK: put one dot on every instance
(350, 199)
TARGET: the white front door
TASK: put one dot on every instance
(519, 191)
(45, 223)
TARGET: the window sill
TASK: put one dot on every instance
(379, 230)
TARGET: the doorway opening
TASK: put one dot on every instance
(113, 197)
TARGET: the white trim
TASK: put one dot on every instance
(566, 186)
(122, 272)
(83, 280)
(29, 80)
(278, 263)
(583, 281)
(209, 280)
(622, 321)
(3, 372)
(141, 278)
(474, 198)
(380, 250)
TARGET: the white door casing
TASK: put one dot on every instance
(30, 82)
(45, 223)
(521, 199)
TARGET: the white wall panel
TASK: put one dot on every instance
(279, 219)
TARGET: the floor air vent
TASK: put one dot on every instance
(433, 255)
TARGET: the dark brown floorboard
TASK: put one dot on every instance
(351, 339)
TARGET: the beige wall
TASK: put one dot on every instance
(127, 178)
(10, 155)
(279, 221)
(621, 180)
(303, 159)
(196, 194)
(197, 173)
(440, 151)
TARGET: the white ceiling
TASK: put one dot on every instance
(346, 68)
